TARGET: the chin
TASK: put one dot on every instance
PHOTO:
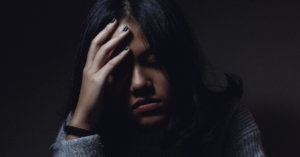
(152, 122)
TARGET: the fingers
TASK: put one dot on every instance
(106, 70)
(98, 40)
(103, 53)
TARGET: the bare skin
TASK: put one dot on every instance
(95, 74)
(140, 81)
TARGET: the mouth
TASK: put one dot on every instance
(146, 104)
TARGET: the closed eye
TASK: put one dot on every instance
(119, 72)
(153, 64)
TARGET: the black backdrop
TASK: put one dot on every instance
(258, 40)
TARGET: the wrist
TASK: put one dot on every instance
(82, 121)
(82, 125)
(85, 118)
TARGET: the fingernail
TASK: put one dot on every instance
(126, 48)
(113, 20)
(125, 29)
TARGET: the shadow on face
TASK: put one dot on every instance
(137, 85)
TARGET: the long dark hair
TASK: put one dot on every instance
(199, 118)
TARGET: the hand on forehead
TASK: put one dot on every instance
(134, 41)
(130, 23)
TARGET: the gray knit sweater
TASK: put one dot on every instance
(242, 139)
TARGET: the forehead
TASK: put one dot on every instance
(138, 45)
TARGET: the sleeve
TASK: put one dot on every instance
(243, 138)
(89, 146)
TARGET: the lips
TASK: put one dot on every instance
(144, 102)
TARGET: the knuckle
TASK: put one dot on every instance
(91, 79)
(94, 79)
(118, 38)
(111, 63)
(103, 48)
(97, 79)
(85, 70)
(93, 42)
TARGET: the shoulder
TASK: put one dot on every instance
(242, 135)
(241, 122)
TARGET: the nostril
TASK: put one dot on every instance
(142, 88)
(140, 81)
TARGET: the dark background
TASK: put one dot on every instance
(258, 40)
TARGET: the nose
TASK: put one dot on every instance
(140, 82)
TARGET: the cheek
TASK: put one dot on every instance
(162, 86)
(161, 82)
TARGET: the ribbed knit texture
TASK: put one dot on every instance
(89, 146)
(242, 139)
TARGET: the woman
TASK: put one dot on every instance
(139, 85)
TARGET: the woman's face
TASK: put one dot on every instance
(137, 85)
